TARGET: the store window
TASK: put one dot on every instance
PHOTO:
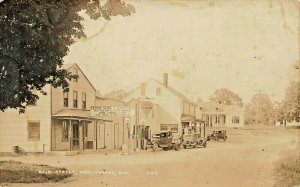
(33, 128)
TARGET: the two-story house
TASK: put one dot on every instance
(58, 121)
(30, 131)
(175, 111)
(73, 128)
(220, 115)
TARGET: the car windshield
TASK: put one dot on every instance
(155, 135)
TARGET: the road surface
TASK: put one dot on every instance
(246, 159)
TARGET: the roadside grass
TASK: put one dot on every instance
(287, 170)
(18, 172)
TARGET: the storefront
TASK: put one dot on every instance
(77, 130)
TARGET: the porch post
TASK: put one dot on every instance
(204, 129)
(70, 134)
(95, 135)
(80, 138)
(209, 120)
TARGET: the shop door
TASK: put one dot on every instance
(75, 143)
(101, 136)
(116, 135)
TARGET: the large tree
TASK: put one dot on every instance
(35, 36)
(290, 106)
(226, 96)
(259, 110)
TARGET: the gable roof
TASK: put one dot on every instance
(108, 98)
(175, 92)
(169, 88)
(211, 107)
(69, 65)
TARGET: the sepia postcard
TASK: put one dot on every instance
(151, 93)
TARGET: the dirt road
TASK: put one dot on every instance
(246, 159)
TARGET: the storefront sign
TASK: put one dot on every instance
(112, 111)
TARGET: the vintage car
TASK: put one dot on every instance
(217, 135)
(164, 140)
(193, 141)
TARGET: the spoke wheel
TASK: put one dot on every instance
(155, 147)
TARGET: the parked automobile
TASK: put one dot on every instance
(193, 141)
(164, 140)
(217, 135)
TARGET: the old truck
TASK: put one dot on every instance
(164, 140)
(193, 141)
(194, 136)
(217, 135)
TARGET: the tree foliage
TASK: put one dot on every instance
(259, 110)
(226, 96)
(290, 107)
(35, 36)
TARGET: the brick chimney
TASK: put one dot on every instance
(165, 79)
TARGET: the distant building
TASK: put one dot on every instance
(169, 109)
(221, 115)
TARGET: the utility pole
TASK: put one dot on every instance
(258, 92)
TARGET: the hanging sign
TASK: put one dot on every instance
(112, 111)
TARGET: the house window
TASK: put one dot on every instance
(75, 99)
(83, 101)
(235, 119)
(158, 91)
(169, 127)
(33, 129)
(75, 73)
(65, 131)
(143, 91)
(66, 99)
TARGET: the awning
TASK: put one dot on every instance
(200, 121)
(75, 114)
(186, 118)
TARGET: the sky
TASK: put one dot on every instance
(242, 45)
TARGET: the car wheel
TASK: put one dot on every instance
(204, 145)
(155, 147)
(177, 147)
(225, 139)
